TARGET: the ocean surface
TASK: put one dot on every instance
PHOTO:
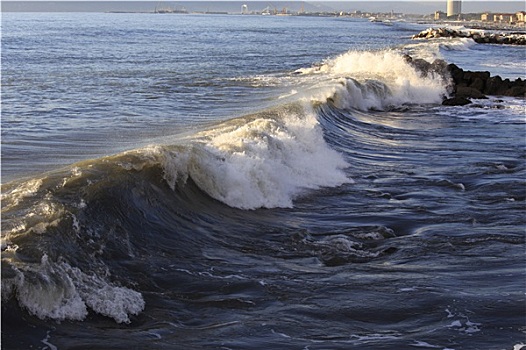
(255, 182)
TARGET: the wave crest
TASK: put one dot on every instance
(376, 80)
(59, 291)
(260, 161)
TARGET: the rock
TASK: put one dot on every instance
(503, 88)
(493, 85)
(465, 85)
(469, 92)
(456, 73)
(517, 91)
(439, 66)
(472, 76)
(422, 65)
(479, 37)
(456, 101)
(477, 84)
(498, 87)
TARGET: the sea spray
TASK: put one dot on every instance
(59, 291)
(260, 161)
(376, 80)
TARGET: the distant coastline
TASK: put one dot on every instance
(480, 25)
(281, 8)
(422, 9)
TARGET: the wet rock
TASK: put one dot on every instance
(478, 36)
(477, 84)
(493, 86)
(517, 91)
(456, 101)
(469, 92)
(466, 85)
(421, 65)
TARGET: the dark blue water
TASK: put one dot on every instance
(237, 182)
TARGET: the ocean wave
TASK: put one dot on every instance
(68, 235)
(58, 291)
(71, 237)
(260, 161)
(67, 232)
(380, 80)
(460, 44)
(439, 48)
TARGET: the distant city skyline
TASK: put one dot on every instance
(409, 7)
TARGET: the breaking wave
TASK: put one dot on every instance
(70, 237)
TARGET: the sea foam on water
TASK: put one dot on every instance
(263, 162)
(59, 291)
(376, 80)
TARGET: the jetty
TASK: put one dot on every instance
(478, 36)
(465, 85)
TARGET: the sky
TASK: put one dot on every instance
(414, 7)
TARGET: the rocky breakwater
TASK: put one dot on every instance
(478, 36)
(467, 85)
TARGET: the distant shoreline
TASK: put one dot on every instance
(423, 9)
(480, 25)
(255, 8)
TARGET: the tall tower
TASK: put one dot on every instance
(454, 7)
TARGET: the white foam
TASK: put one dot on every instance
(501, 110)
(462, 323)
(48, 293)
(47, 343)
(374, 336)
(377, 80)
(59, 291)
(11, 197)
(423, 344)
(265, 161)
(459, 44)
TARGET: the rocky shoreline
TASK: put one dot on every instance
(478, 36)
(467, 85)
(476, 85)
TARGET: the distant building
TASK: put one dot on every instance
(439, 15)
(504, 17)
(454, 7)
(244, 9)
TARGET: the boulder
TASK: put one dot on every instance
(421, 65)
(457, 74)
(477, 84)
(498, 87)
(439, 66)
(477, 36)
(493, 85)
(472, 76)
(517, 91)
(465, 85)
(456, 101)
(468, 92)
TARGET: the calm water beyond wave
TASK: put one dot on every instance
(255, 182)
